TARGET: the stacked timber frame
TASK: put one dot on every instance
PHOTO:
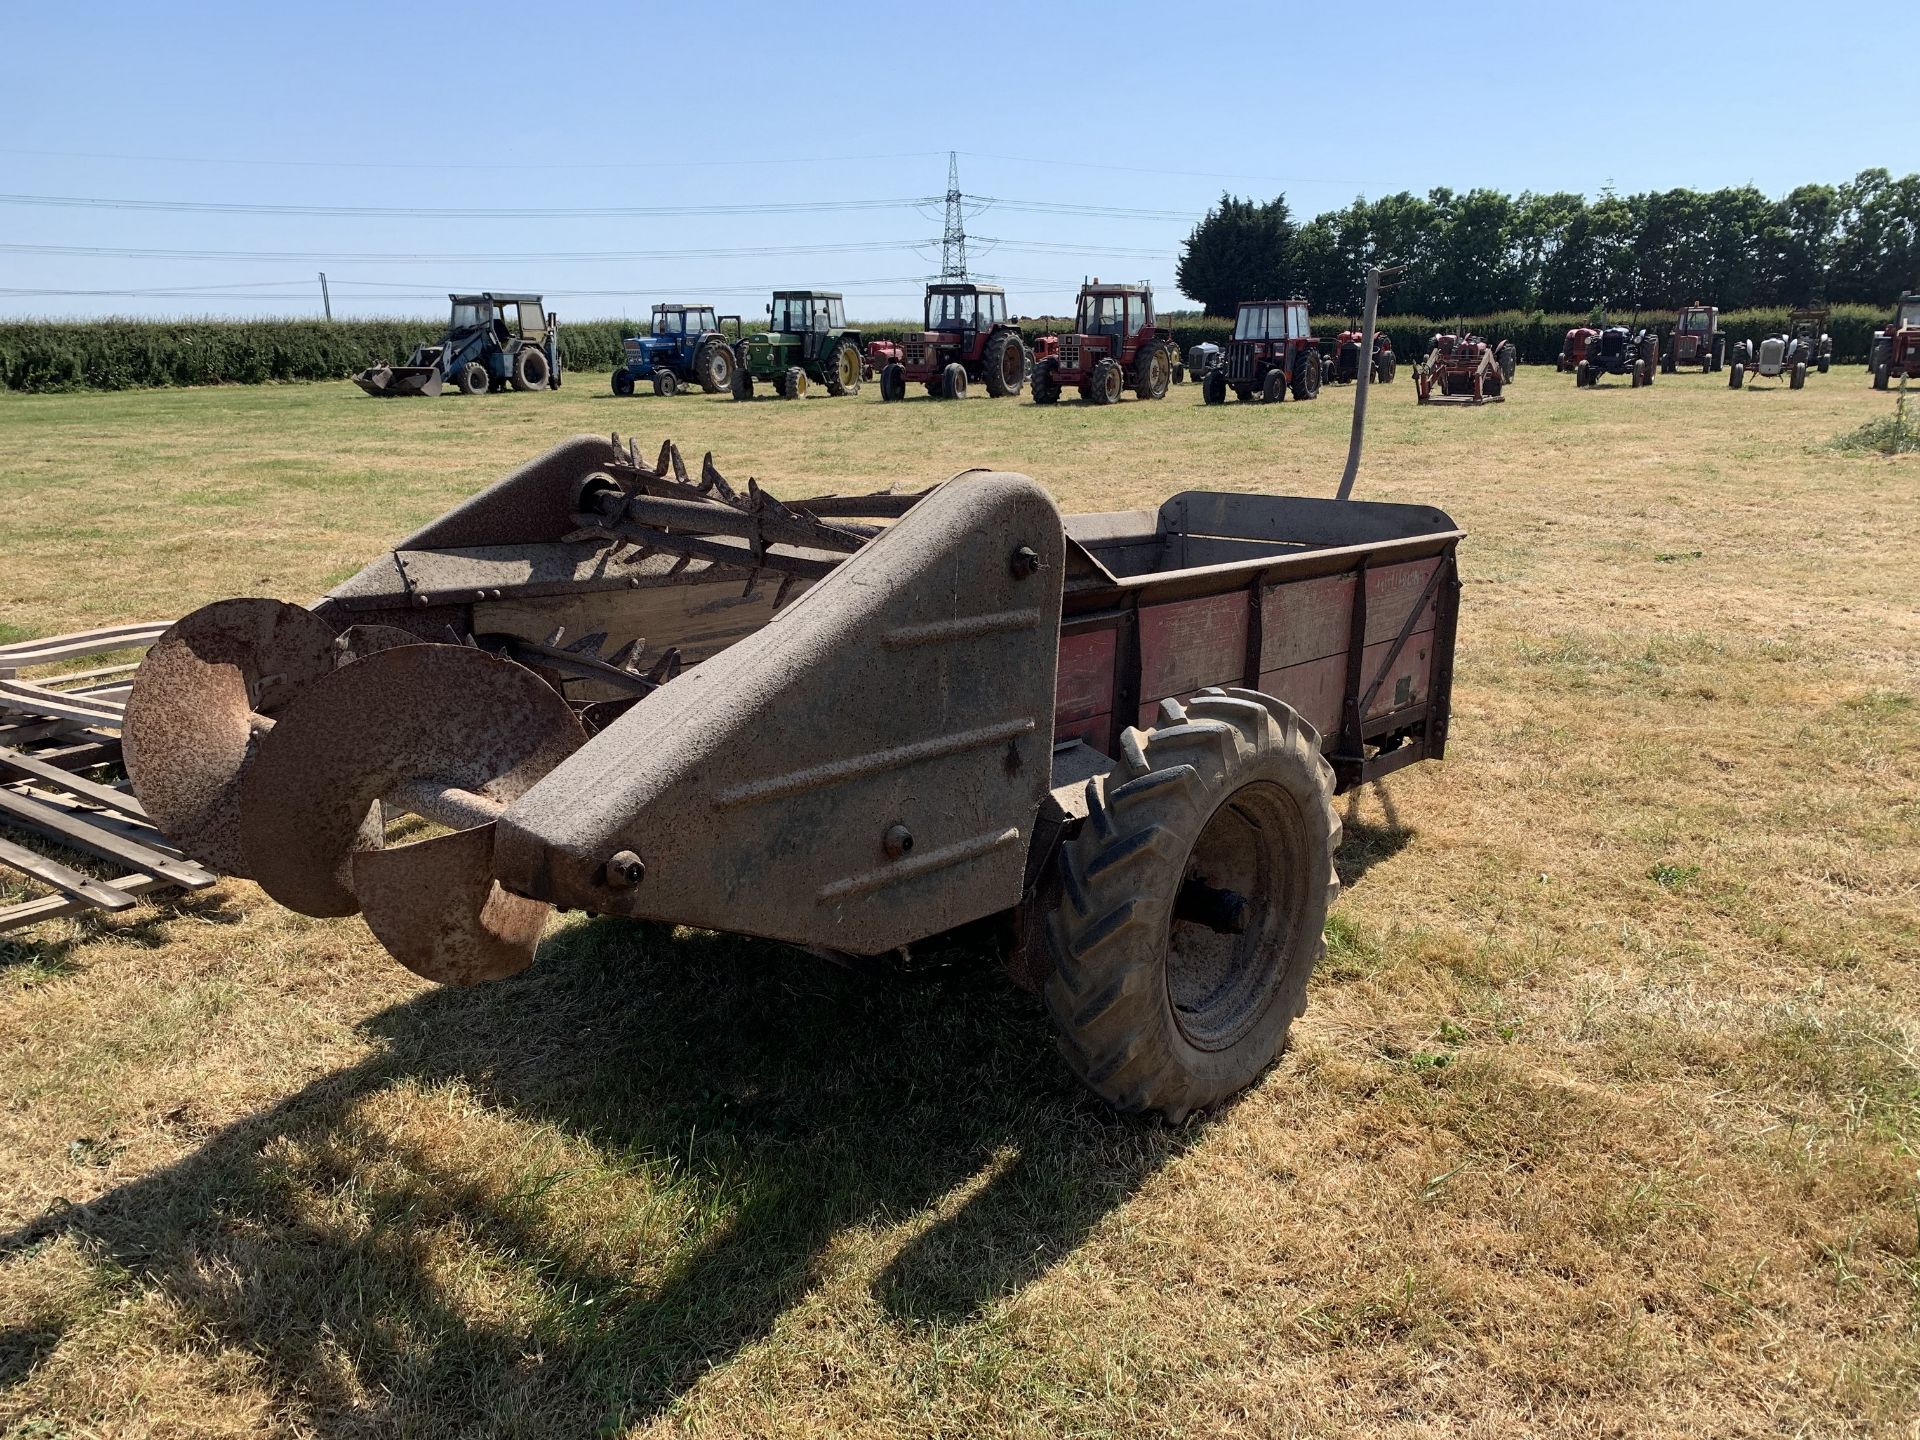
(64, 801)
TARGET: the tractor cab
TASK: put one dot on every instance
(673, 321)
(1116, 311)
(1272, 354)
(1697, 320)
(1907, 316)
(510, 317)
(806, 312)
(965, 307)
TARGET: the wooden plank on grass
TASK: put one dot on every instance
(68, 881)
(86, 789)
(58, 907)
(52, 649)
(70, 829)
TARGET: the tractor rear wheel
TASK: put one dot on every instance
(474, 379)
(713, 365)
(1106, 384)
(893, 383)
(1193, 904)
(1799, 380)
(1736, 375)
(1151, 368)
(1306, 376)
(665, 382)
(1213, 388)
(1273, 389)
(1385, 367)
(530, 369)
(953, 381)
(841, 369)
(1003, 364)
(1046, 388)
(622, 383)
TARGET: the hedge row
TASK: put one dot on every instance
(52, 355)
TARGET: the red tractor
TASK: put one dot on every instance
(1573, 349)
(1896, 349)
(878, 355)
(1465, 369)
(968, 337)
(1272, 351)
(1115, 344)
(1343, 365)
(1696, 340)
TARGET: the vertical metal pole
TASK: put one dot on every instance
(1360, 385)
(326, 301)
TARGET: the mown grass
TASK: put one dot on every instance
(1602, 1118)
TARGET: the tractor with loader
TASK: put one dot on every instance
(1115, 343)
(1896, 349)
(806, 342)
(1272, 353)
(1106, 745)
(491, 341)
(967, 338)
(686, 345)
(1463, 370)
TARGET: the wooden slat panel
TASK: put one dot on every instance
(70, 829)
(87, 789)
(1085, 684)
(1188, 644)
(70, 882)
(46, 651)
(58, 907)
(1309, 619)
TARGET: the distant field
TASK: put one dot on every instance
(1604, 1117)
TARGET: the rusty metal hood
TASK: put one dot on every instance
(863, 771)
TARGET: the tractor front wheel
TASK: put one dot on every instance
(713, 366)
(893, 384)
(1106, 384)
(742, 376)
(1736, 375)
(622, 383)
(793, 384)
(1799, 380)
(1385, 368)
(1213, 388)
(1046, 384)
(666, 383)
(1639, 373)
(1306, 376)
(953, 381)
(1193, 904)
(1882, 375)
(474, 379)
(1273, 389)
(1003, 365)
(530, 369)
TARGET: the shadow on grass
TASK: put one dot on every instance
(770, 1102)
(1365, 843)
(149, 925)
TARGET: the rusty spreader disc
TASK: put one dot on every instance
(444, 714)
(435, 906)
(188, 731)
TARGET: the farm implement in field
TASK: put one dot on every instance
(846, 723)
(1463, 370)
(491, 342)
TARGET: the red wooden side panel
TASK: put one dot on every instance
(1188, 644)
(1310, 619)
(1083, 695)
(1314, 687)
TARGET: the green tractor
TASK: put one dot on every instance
(806, 339)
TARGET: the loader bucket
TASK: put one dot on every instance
(400, 380)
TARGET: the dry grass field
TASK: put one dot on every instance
(1604, 1117)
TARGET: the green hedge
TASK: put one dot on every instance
(130, 354)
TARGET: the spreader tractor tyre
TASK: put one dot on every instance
(1306, 376)
(713, 366)
(1106, 384)
(666, 383)
(530, 369)
(1273, 389)
(1152, 368)
(1193, 903)
(1736, 375)
(1003, 365)
(893, 383)
(842, 370)
(953, 381)
(1046, 384)
(622, 383)
(1213, 388)
(1799, 378)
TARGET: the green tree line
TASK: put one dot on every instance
(1483, 251)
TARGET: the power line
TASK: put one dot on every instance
(412, 212)
(419, 257)
(279, 163)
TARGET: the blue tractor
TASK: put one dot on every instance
(687, 346)
(492, 341)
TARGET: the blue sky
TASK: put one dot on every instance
(1120, 106)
